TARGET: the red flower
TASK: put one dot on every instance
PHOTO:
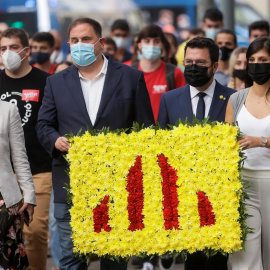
(135, 197)
(207, 217)
(101, 216)
(169, 189)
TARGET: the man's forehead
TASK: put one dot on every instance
(83, 29)
(259, 32)
(214, 23)
(40, 43)
(8, 41)
(120, 31)
(224, 36)
(197, 53)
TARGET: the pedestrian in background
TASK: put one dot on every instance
(237, 68)
(227, 42)
(160, 77)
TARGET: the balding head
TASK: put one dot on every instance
(57, 39)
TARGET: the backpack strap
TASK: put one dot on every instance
(135, 65)
(170, 70)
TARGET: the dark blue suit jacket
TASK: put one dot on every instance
(176, 104)
(124, 99)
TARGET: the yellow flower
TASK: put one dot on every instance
(205, 158)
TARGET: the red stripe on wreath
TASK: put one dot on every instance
(169, 189)
(135, 197)
(101, 216)
(207, 216)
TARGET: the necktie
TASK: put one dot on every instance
(200, 107)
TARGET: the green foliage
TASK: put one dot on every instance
(194, 123)
(69, 193)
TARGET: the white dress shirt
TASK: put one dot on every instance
(92, 91)
(207, 99)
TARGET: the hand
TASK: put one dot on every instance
(30, 209)
(62, 144)
(248, 142)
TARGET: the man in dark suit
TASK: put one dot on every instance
(94, 92)
(202, 97)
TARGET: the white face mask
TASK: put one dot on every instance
(12, 60)
(54, 56)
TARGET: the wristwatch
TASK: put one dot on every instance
(264, 142)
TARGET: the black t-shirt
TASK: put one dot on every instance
(27, 93)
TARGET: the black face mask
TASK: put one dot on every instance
(240, 74)
(225, 53)
(259, 73)
(39, 57)
(196, 76)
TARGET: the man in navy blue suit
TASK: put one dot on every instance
(202, 97)
(94, 92)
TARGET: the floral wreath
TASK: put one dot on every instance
(150, 191)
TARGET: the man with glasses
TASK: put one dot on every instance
(203, 97)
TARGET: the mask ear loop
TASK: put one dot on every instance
(97, 41)
(21, 51)
(94, 49)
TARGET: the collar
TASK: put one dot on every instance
(102, 71)
(209, 91)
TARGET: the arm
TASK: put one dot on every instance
(229, 113)
(47, 125)
(143, 108)
(246, 142)
(163, 114)
(20, 162)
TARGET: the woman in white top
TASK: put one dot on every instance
(12, 251)
(251, 109)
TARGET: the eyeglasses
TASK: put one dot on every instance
(198, 62)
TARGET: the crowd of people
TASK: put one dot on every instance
(114, 82)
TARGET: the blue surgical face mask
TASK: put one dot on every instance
(83, 53)
(151, 52)
(121, 43)
(211, 33)
(139, 56)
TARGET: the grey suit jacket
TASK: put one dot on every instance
(12, 146)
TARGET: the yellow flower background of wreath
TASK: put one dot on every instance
(206, 159)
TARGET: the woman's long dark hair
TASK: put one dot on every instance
(258, 44)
